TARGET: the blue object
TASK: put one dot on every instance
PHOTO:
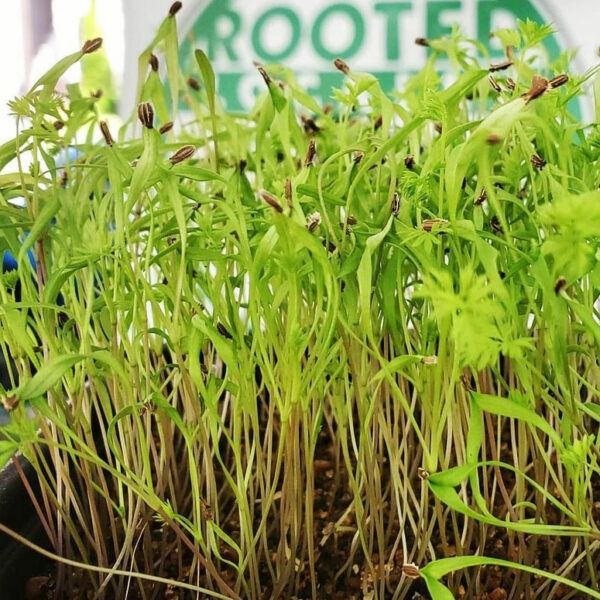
(9, 262)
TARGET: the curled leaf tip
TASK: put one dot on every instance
(538, 162)
(288, 193)
(539, 85)
(430, 224)
(422, 474)
(193, 83)
(494, 84)
(395, 205)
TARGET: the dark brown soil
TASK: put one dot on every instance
(355, 581)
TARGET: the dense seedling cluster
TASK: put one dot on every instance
(327, 352)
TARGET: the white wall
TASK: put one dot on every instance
(67, 14)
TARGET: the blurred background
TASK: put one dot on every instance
(374, 35)
(38, 33)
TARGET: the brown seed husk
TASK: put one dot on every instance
(271, 200)
(166, 127)
(559, 285)
(341, 65)
(91, 45)
(182, 154)
(288, 192)
(559, 80)
(430, 224)
(146, 115)
(106, 133)
(501, 66)
(175, 8)
(539, 85)
(193, 83)
(411, 571)
(310, 153)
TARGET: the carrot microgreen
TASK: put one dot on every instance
(275, 354)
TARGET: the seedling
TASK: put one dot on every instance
(309, 350)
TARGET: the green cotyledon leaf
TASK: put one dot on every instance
(508, 407)
(53, 370)
(47, 213)
(48, 376)
(146, 166)
(364, 275)
(223, 346)
(443, 485)
(437, 569)
(208, 77)
(51, 77)
(196, 173)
